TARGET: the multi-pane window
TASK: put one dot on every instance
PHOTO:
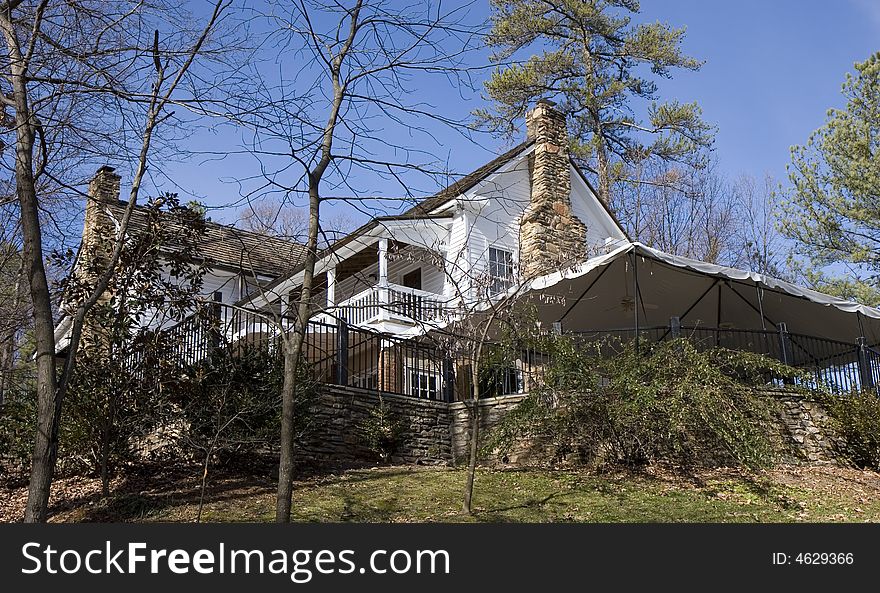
(423, 385)
(500, 270)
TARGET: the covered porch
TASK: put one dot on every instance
(387, 284)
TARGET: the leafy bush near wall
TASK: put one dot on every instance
(381, 431)
(18, 417)
(668, 401)
(857, 422)
(232, 405)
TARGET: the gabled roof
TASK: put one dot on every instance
(234, 248)
(467, 182)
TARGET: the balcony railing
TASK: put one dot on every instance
(391, 301)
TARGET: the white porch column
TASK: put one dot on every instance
(383, 278)
(331, 287)
(383, 262)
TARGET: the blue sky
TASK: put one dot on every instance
(772, 70)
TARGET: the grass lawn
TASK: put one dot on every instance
(420, 494)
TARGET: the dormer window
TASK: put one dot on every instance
(500, 270)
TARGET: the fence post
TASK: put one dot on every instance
(675, 327)
(342, 352)
(216, 322)
(448, 379)
(866, 375)
(784, 344)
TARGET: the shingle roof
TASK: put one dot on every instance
(227, 246)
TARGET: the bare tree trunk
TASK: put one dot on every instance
(51, 389)
(293, 354)
(48, 400)
(477, 355)
(475, 439)
(603, 170)
(293, 346)
(106, 435)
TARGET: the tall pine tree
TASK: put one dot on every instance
(601, 69)
(831, 209)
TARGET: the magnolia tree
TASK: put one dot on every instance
(129, 358)
(82, 79)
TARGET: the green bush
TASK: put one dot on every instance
(232, 405)
(18, 416)
(857, 421)
(667, 402)
(381, 431)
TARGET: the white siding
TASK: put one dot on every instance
(495, 212)
(224, 282)
(586, 206)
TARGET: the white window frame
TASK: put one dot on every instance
(420, 385)
(501, 270)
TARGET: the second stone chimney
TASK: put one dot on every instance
(99, 232)
(551, 236)
(98, 240)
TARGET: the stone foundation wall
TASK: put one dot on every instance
(339, 432)
(804, 429)
(492, 410)
(432, 432)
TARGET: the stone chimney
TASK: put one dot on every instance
(98, 238)
(551, 236)
(99, 231)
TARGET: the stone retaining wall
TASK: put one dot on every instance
(432, 432)
(805, 433)
(340, 417)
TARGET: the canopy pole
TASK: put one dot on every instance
(695, 303)
(636, 295)
(756, 309)
(773, 323)
(760, 294)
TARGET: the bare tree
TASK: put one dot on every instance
(684, 211)
(762, 246)
(275, 218)
(326, 122)
(67, 66)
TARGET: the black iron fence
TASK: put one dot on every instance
(437, 368)
(831, 364)
(428, 366)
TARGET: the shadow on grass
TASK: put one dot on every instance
(154, 489)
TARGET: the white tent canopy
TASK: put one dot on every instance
(600, 294)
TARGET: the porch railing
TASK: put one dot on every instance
(391, 300)
(343, 353)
